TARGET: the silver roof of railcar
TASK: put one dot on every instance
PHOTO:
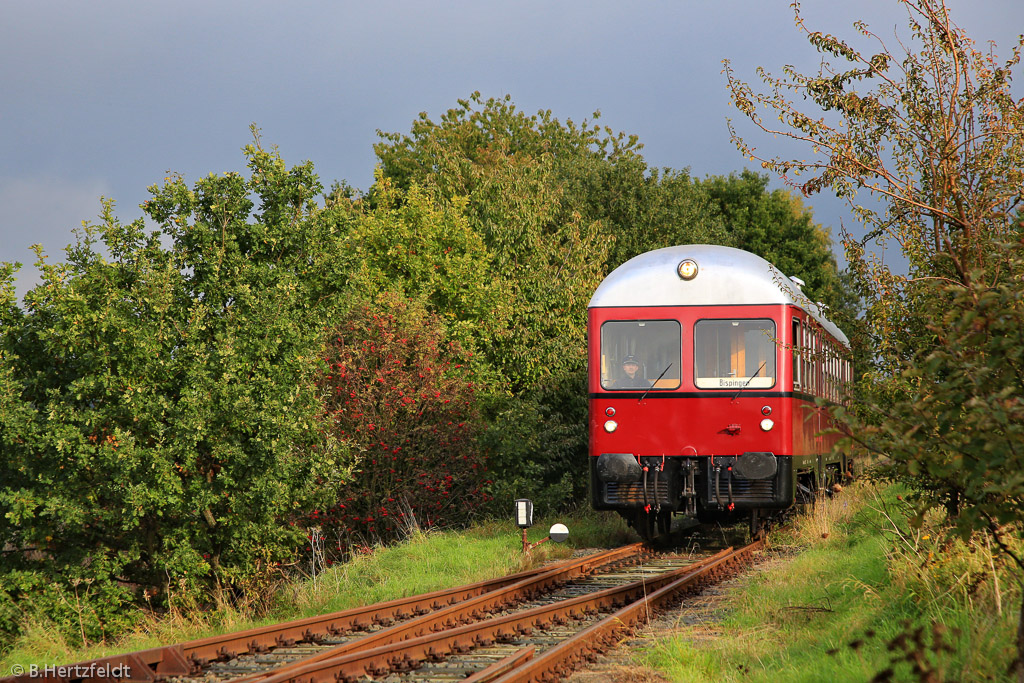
(726, 276)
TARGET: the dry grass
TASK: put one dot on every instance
(832, 509)
(864, 593)
(43, 643)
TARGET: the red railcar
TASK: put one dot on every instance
(705, 367)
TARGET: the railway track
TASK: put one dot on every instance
(536, 625)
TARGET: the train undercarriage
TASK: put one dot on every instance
(648, 491)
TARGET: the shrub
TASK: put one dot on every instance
(400, 395)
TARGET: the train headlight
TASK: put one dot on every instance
(610, 426)
(687, 269)
(767, 424)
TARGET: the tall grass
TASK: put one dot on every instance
(423, 562)
(852, 593)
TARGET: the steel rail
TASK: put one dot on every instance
(501, 667)
(405, 655)
(180, 659)
(461, 612)
(359, 618)
(146, 666)
(556, 663)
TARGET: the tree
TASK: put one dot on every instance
(509, 172)
(159, 417)
(778, 227)
(556, 205)
(513, 177)
(602, 178)
(932, 134)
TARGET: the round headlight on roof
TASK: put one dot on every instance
(687, 269)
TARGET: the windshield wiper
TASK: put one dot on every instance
(642, 397)
(749, 380)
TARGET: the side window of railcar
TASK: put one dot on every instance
(640, 354)
(734, 354)
(806, 358)
(815, 364)
(797, 354)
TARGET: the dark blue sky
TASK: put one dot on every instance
(106, 98)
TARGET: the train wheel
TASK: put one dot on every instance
(806, 491)
(665, 522)
(758, 524)
(646, 524)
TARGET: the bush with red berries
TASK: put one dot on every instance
(401, 395)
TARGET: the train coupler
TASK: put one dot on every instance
(689, 488)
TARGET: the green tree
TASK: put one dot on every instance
(777, 226)
(427, 251)
(508, 172)
(557, 206)
(602, 178)
(932, 134)
(513, 175)
(159, 417)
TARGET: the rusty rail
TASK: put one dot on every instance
(443, 620)
(408, 654)
(556, 663)
(430, 610)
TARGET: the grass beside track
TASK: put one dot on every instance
(424, 562)
(853, 593)
(841, 600)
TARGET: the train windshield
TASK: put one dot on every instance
(734, 354)
(640, 354)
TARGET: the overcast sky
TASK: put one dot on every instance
(104, 98)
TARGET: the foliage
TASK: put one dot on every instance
(507, 170)
(538, 444)
(557, 205)
(398, 394)
(957, 431)
(157, 409)
(776, 225)
(428, 253)
(933, 135)
(520, 180)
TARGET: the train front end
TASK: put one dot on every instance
(692, 407)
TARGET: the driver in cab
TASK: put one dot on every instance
(631, 376)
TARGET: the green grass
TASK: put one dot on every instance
(842, 586)
(424, 562)
(849, 598)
